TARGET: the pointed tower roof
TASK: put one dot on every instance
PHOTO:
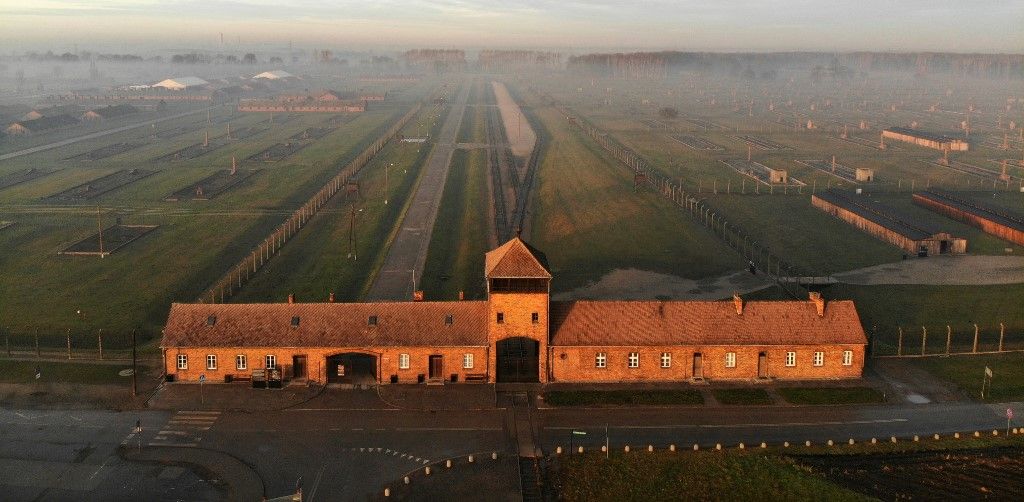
(516, 259)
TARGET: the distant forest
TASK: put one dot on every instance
(767, 65)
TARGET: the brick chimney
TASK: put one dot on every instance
(462, 295)
(738, 303)
(417, 296)
(819, 303)
(291, 298)
(330, 299)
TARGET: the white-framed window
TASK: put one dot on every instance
(790, 358)
(211, 361)
(403, 361)
(847, 358)
(240, 362)
(182, 362)
(467, 361)
(730, 359)
(666, 359)
(601, 360)
(271, 361)
(634, 359)
(819, 358)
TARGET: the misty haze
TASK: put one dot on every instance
(538, 251)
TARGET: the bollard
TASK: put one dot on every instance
(718, 446)
(650, 448)
(995, 432)
(742, 446)
(830, 442)
(494, 455)
(764, 445)
(874, 441)
(916, 439)
(672, 447)
(406, 479)
(785, 444)
(626, 448)
(936, 437)
(956, 435)
(977, 434)
(851, 441)
(604, 449)
(580, 449)
(471, 459)
(448, 464)
(558, 450)
(426, 470)
(387, 492)
(893, 439)
(807, 443)
(696, 447)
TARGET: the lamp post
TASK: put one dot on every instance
(351, 231)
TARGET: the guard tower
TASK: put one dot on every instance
(518, 296)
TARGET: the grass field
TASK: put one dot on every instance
(967, 372)
(589, 221)
(831, 395)
(12, 371)
(691, 476)
(742, 396)
(622, 397)
(455, 260)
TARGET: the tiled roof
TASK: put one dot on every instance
(326, 324)
(515, 259)
(624, 323)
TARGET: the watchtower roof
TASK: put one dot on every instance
(516, 259)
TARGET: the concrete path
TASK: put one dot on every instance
(98, 134)
(941, 270)
(408, 252)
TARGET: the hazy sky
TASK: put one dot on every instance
(901, 25)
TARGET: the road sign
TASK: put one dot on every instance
(202, 378)
(1009, 413)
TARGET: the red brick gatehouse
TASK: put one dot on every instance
(517, 335)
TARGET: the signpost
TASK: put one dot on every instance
(202, 379)
(1009, 416)
(986, 378)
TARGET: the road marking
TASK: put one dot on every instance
(183, 445)
(316, 482)
(457, 429)
(104, 464)
(732, 426)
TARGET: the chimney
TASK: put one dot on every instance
(291, 298)
(462, 295)
(330, 299)
(417, 296)
(819, 302)
(738, 303)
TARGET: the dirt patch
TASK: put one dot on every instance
(633, 284)
(521, 137)
(941, 270)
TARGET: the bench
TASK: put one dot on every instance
(476, 377)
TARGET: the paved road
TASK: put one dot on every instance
(408, 252)
(97, 134)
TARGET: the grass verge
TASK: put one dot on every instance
(71, 373)
(622, 397)
(742, 396)
(831, 395)
(966, 372)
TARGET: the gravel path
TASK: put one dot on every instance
(941, 270)
(521, 137)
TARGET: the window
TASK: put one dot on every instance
(790, 358)
(211, 320)
(601, 361)
(182, 362)
(501, 318)
(467, 361)
(271, 361)
(240, 362)
(211, 362)
(371, 321)
(819, 358)
(730, 359)
(449, 319)
(666, 359)
(847, 358)
(295, 321)
(535, 318)
(403, 361)
(634, 359)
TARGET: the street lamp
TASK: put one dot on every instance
(351, 232)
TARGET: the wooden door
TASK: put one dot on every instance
(762, 365)
(698, 365)
(298, 366)
(436, 367)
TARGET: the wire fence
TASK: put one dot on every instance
(934, 340)
(112, 345)
(239, 274)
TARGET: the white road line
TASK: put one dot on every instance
(316, 482)
(104, 464)
(185, 445)
(176, 433)
(462, 429)
(732, 426)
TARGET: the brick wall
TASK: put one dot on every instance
(517, 310)
(578, 363)
(316, 361)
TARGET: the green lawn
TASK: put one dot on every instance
(691, 476)
(967, 371)
(831, 395)
(622, 397)
(75, 373)
(742, 396)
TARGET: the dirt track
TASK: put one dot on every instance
(941, 270)
(521, 137)
(633, 284)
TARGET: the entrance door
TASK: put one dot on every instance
(298, 366)
(943, 247)
(762, 365)
(436, 367)
(698, 365)
(352, 368)
(518, 360)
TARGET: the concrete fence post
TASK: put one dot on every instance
(99, 342)
(1002, 330)
(975, 349)
(899, 342)
(69, 343)
(949, 338)
(924, 339)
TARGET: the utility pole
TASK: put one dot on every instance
(99, 226)
(135, 368)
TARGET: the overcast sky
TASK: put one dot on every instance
(726, 25)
